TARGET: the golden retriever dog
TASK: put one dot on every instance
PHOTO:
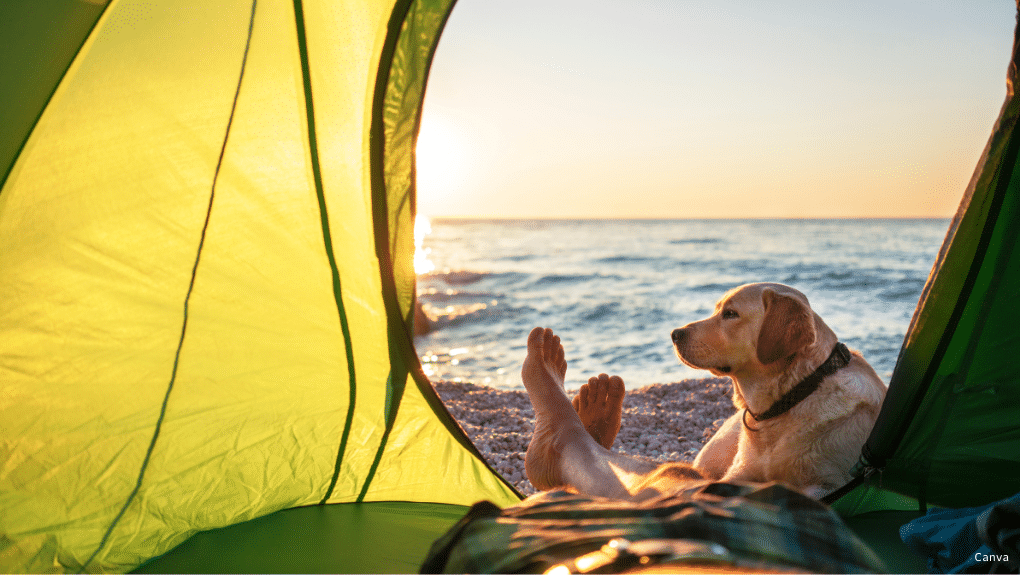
(805, 403)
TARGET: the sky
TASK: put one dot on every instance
(710, 109)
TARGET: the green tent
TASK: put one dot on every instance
(206, 299)
(206, 249)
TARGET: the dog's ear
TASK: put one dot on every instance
(788, 327)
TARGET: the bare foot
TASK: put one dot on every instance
(556, 423)
(599, 403)
(563, 454)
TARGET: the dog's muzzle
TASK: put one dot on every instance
(678, 336)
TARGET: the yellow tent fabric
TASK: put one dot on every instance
(205, 281)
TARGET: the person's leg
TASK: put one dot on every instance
(599, 404)
(563, 454)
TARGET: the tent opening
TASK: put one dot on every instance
(538, 174)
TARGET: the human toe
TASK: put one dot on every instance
(536, 338)
(614, 387)
(584, 394)
(600, 388)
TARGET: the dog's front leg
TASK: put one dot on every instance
(717, 456)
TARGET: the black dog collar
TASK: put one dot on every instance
(838, 359)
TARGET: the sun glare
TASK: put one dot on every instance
(422, 228)
(441, 162)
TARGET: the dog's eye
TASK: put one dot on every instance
(729, 314)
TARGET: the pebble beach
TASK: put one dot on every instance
(661, 422)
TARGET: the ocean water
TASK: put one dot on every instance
(615, 289)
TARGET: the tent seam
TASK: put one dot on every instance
(327, 238)
(380, 214)
(187, 298)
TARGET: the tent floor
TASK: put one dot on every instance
(389, 537)
(880, 530)
(359, 538)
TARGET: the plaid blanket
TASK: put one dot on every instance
(723, 525)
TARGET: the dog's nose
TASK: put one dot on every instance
(678, 334)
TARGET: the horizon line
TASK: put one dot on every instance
(674, 219)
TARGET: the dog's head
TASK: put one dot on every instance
(753, 329)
